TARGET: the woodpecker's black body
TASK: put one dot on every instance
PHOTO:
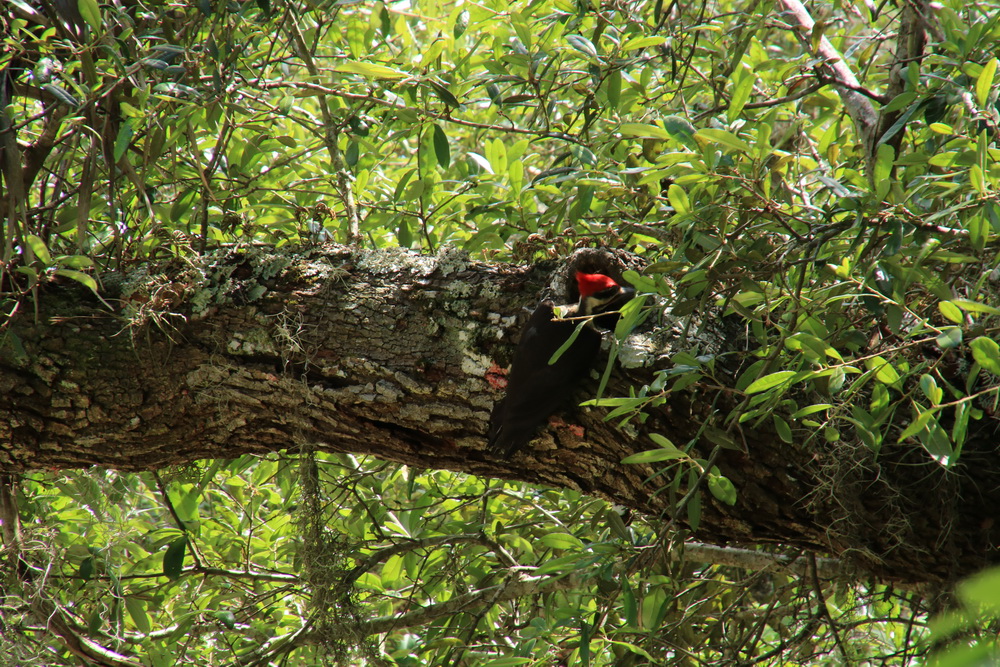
(535, 388)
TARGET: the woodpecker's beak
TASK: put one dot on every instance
(606, 300)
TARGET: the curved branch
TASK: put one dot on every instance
(858, 106)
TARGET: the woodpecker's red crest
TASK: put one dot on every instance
(592, 283)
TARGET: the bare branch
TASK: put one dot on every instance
(858, 105)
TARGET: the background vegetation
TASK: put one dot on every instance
(713, 138)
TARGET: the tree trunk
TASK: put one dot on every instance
(401, 357)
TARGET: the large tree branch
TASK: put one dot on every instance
(401, 357)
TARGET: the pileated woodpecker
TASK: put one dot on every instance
(536, 388)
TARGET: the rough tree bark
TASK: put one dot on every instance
(401, 356)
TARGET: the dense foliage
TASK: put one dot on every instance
(852, 225)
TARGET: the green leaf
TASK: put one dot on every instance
(172, 89)
(39, 249)
(769, 381)
(561, 541)
(632, 314)
(370, 70)
(975, 307)
(667, 452)
(441, 148)
(900, 101)
(614, 89)
(584, 155)
(137, 612)
(722, 488)
(612, 402)
(80, 277)
(123, 139)
(569, 341)
(985, 82)
(977, 179)
(694, 511)
(982, 591)
(508, 661)
(935, 441)
(637, 43)
(680, 129)
(86, 570)
(583, 45)
(61, 94)
(643, 131)
(561, 565)
(385, 21)
(810, 409)
(155, 63)
(724, 138)
(749, 376)
(931, 390)
(173, 558)
(352, 154)
(355, 33)
(444, 94)
(629, 605)
(226, 618)
(961, 426)
(884, 372)
(461, 24)
(883, 169)
(743, 85)
(920, 423)
(986, 353)
(403, 236)
(951, 311)
(783, 429)
(91, 13)
(481, 163)
(678, 199)
(949, 338)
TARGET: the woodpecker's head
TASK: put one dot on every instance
(600, 293)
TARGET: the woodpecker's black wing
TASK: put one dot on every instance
(535, 388)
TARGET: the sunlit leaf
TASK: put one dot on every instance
(724, 138)
(769, 381)
(583, 45)
(986, 353)
(90, 10)
(481, 162)
(370, 70)
(951, 311)
(975, 307)
(884, 371)
(561, 541)
(678, 199)
(80, 277)
(637, 43)
(984, 82)
(39, 249)
(643, 130)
